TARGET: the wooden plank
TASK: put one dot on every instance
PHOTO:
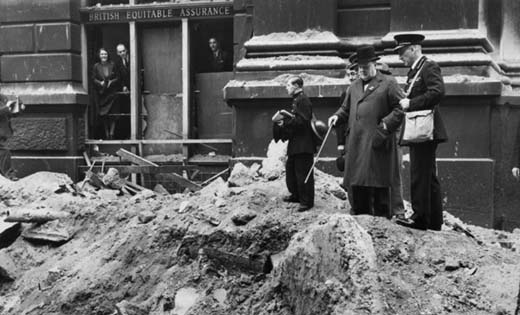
(125, 169)
(134, 81)
(184, 182)
(134, 158)
(185, 83)
(215, 177)
(34, 215)
(159, 141)
(87, 160)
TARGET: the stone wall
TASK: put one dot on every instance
(40, 61)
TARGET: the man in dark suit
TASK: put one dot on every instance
(301, 147)
(426, 93)
(371, 108)
(219, 59)
(123, 67)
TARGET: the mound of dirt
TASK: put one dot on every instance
(242, 250)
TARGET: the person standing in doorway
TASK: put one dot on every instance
(105, 79)
(218, 60)
(426, 93)
(123, 67)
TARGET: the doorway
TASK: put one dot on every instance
(161, 53)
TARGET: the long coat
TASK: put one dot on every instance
(105, 97)
(426, 93)
(371, 150)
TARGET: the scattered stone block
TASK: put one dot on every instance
(126, 308)
(51, 232)
(242, 175)
(220, 202)
(243, 216)
(274, 165)
(8, 269)
(185, 206)
(9, 232)
(146, 216)
(451, 264)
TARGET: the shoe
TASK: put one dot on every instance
(303, 208)
(409, 223)
(290, 199)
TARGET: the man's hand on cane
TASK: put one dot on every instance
(332, 120)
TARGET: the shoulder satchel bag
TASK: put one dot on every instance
(418, 125)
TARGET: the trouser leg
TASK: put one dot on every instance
(290, 177)
(303, 163)
(361, 203)
(396, 196)
(422, 162)
(436, 218)
(381, 197)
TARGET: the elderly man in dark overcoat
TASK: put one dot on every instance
(371, 108)
(426, 93)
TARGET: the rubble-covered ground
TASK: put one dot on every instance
(236, 248)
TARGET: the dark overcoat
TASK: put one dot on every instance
(426, 93)
(371, 150)
(300, 130)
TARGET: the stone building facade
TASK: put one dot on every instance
(474, 41)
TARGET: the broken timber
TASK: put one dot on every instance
(215, 177)
(34, 215)
(126, 169)
(184, 182)
(58, 236)
(134, 158)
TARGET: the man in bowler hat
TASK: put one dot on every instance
(426, 93)
(371, 108)
(301, 147)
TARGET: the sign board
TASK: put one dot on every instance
(153, 13)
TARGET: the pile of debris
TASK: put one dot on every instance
(236, 248)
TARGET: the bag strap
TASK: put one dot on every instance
(414, 79)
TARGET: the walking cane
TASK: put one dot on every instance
(318, 155)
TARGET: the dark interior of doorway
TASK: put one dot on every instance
(108, 37)
(201, 32)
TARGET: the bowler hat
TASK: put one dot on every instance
(365, 54)
(404, 40)
(340, 163)
(319, 129)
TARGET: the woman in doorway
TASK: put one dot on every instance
(105, 79)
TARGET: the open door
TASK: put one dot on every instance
(161, 48)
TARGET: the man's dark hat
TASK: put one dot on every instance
(319, 128)
(353, 61)
(340, 163)
(404, 40)
(365, 54)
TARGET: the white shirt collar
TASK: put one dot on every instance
(416, 62)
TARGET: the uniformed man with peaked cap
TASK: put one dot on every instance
(426, 93)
